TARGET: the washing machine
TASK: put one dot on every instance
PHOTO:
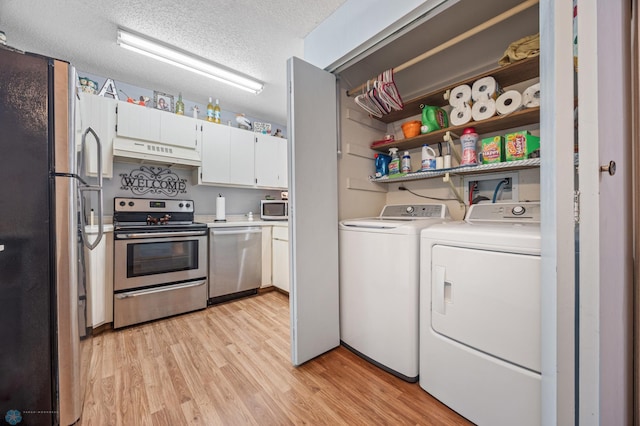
(379, 285)
(480, 314)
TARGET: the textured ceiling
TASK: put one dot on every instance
(253, 37)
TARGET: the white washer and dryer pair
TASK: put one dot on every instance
(379, 285)
(480, 314)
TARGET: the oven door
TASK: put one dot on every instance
(145, 259)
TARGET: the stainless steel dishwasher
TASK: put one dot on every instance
(235, 262)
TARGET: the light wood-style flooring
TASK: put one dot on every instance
(230, 364)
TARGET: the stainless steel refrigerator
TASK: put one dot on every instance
(44, 301)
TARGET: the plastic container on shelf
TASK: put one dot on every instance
(406, 163)
(469, 141)
(428, 158)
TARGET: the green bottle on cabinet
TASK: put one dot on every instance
(180, 105)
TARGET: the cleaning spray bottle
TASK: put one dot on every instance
(394, 165)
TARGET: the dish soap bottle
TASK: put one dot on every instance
(394, 165)
(406, 163)
(216, 112)
(210, 110)
(180, 105)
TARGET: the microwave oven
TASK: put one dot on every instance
(274, 209)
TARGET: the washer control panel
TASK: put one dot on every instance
(417, 211)
(528, 212)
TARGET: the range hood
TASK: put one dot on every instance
(155, 152)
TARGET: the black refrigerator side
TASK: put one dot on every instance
(27, 303)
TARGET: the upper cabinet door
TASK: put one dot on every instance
(138, 122)
(241, 156)
(283, 169)
(215, 153)
(267, 161)
(99, 113)
(178, 130)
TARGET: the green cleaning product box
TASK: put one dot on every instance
(520, 145)
(492, 150)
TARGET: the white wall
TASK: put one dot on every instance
(358, 25)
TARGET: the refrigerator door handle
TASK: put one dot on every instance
(1, 247)
(96, 188)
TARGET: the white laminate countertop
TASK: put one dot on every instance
(238, 220)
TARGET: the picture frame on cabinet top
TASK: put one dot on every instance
(163, 101)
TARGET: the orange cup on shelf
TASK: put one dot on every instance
(411, 128)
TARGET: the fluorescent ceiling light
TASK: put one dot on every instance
(185, 60)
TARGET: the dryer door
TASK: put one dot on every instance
(488, 301)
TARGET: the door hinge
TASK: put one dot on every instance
(576, 206)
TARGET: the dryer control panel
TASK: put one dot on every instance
(504, 212)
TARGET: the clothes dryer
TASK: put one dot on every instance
(379, 285)
(480, 314)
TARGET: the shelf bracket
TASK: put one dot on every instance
(448, 139)
(446, 178)
(446, 94)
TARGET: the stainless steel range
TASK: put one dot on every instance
(160, 260)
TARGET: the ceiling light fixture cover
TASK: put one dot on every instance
(185, 60)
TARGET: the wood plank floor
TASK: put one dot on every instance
(230, 365)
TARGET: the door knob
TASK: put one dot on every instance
(609, 168)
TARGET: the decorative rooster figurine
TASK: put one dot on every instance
(243, 122)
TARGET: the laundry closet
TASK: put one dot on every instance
(345, 189)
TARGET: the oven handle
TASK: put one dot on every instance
(160, 234)
(159, 289)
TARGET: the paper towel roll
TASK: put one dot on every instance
(531, 96)
(508, 102)
(485, 88)
(460, 95)
(460, 115)
(220, 209)
(482, 110)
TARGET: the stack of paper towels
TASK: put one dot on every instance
(484, 99)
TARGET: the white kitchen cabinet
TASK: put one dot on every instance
(215, 153)
(99, 113)
(99, 270)
(138, 122)
(227, 156)
(266, 160)
(267, 253)
(271, 161)
(280, 257)
(241, 157)
(178, 130)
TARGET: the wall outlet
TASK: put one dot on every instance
(483, 187)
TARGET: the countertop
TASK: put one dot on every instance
(238, 220)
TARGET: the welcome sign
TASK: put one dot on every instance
(153, 180)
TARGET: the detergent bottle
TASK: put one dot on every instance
(382, 164)
(394, 165)
(433, 118)
(428, 158)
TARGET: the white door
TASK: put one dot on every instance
(241, 157)
(178, 130)
(215, 153)
(138, 122)
(313, 211)
(266, 160)
(604, 104)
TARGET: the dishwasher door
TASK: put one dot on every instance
(235, 262)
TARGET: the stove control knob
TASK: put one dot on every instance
(131, 203)
(188, 205)
(518, 210)
(122, 204)
(181, 205)
(410, 209)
